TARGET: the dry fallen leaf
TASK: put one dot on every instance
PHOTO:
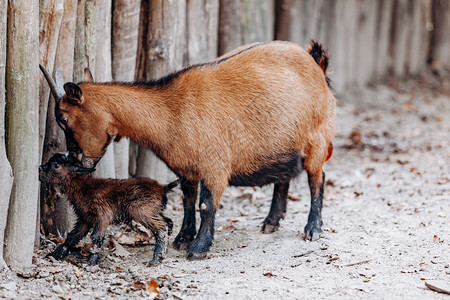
(142, 238)
(86, 250)
(119, 250)
(437, 239)
(293, 198)
(229, 224)
(443, 181)
(227, 227)
(333, 257)
(137, 285)
(55, 239)
(269, 274)
(126, 240)
(78, 273)
(409, 106)
(152, 287)
(355, 138)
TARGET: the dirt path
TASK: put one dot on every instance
(386, 219)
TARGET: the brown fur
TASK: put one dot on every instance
(235, 116)
(97, 201)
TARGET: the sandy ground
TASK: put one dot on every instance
(386, 222)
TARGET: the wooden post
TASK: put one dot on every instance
(382, 38)
(419, 36)
(51, 13)
(124, 52)
(103, 71)
(6, 177)
(259, 20)
(58, 210)
(439, 56)
(202, 27)
(230, 25)
(22, 119)
(166, 42)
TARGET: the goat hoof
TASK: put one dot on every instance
(269, 228)
(197, 255)
(312, 233)
(60, 252)
(157, 259)
(182, 243)
(181, 246)
(93, 259)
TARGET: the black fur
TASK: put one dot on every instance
(188, 230)
(319, 54)
(286, 168)
(277, 208)
(314, 226)
(203, 241)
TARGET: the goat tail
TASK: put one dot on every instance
(168, 188)
(173, 184)
(320, 55)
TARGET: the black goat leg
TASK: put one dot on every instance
(97, 237)
(188, 230)
(277, 209)
(199, 248)
(80, 230)
(314, 226)
(161, 239)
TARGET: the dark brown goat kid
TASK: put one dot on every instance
(255, 116)
(97, 202)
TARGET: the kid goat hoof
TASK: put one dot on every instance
(60, 252)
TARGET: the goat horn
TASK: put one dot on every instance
(56, 94)
(59, 80)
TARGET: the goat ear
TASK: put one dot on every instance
(73, 93)
(81, 170)
(88, 75)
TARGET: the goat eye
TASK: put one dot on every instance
(64, 121)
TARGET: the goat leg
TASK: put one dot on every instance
(188, 230)
(80, 230)
(200, 246)
(314, 226)
(277, 209)
(161, 238)
(97, 237)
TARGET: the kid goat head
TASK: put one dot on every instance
(255, 116)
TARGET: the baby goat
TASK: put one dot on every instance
(97, 202)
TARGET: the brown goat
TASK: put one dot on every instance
(257, 115)
(97, 202)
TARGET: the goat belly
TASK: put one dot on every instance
(277, 170)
